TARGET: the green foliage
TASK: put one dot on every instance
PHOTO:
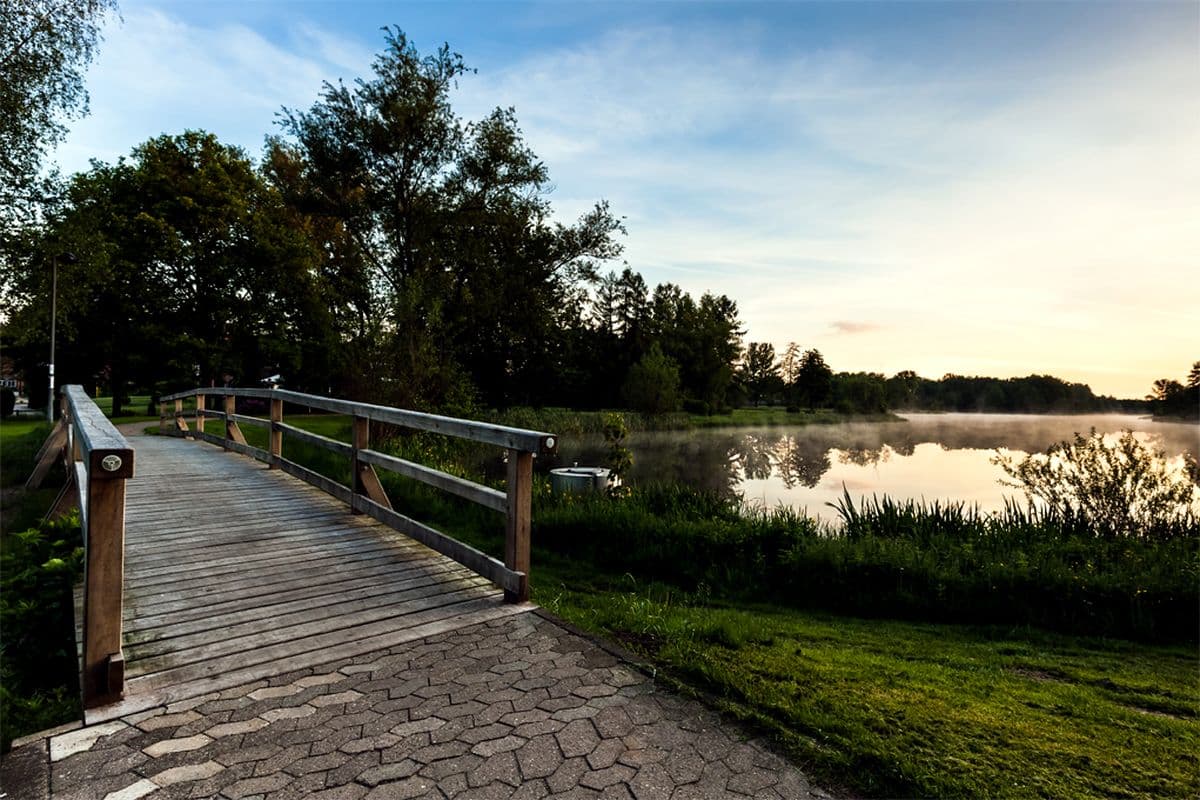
(759, 372)
(652, 386)
(37, 653)
(45, 45)
(896, 709)
(814, 380)
(1033, 394)
(185, 214)
(472, 281)
(1118, 489)
(910, 560)
(619, 457)
(1170, 398)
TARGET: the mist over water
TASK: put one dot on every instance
(927, 456)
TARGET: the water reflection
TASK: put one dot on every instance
(942, 456)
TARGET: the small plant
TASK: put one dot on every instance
(619, 458)
(1118, 489)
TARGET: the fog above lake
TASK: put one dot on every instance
(929, 456)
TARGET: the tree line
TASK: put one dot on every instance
(384, 248)
(1170, 398)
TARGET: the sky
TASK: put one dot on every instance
(970, 187)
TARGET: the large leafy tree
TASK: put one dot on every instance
(474, 284)
(45, 45)
(189, 267)
(759, 372)
(814, 380)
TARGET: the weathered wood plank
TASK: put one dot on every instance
(479, 561)
(412, 581)
(49, 454)
(289, 647)
(248, 589)
(516, 534)
(502, 435)
(326, 584)
(341, 448)
(462, 487)
(327, 485)
(250, 635)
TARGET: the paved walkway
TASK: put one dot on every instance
(514, 708)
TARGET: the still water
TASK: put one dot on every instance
(926, 456)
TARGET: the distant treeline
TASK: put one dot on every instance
(1170, 398)
(804, 380)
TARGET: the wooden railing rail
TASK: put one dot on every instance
(99, 460)
(366, 494)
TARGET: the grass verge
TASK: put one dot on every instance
(901, 709)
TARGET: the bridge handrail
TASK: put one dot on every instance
(99, 461)
(367, 494)
(485, 432)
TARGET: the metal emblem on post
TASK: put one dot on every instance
(111, 463)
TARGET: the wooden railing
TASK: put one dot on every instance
(99, 461)
(367, 494)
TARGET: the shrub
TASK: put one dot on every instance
(1118, 489)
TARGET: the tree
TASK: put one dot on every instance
(789, 364)
(1117, 489)
(188, 268)
(652, 386)
(814, 380)
(45, 45)
(1193, 379)
(759, 371)
(472, 281)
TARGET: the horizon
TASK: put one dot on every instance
(986, 189)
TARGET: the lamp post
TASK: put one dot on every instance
(69, 258)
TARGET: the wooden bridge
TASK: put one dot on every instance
(207, 569)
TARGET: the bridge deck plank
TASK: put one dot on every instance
(236, 573)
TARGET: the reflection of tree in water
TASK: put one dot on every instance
(754, 455)
(865, 456)
(721, 460)
(801, 461)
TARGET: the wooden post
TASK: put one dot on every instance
(232, 431)
(366, 481)
(199, 413)
(516, 534)
(104, 569)
(276, 432)
(162, 419)
(180, 426)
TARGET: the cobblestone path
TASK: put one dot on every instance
(517, 708)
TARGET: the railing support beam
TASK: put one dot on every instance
(276, 435)
(104, 570)
(516, 534)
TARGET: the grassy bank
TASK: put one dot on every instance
(901, 709)
(569, 422)
(38, 566)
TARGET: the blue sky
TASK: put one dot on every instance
(981, 188)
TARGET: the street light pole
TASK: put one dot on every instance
(53, 319)
(69, 258)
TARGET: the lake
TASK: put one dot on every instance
(926, 456)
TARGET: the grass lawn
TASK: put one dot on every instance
(778, 415)
(891, 708)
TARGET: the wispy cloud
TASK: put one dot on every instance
(846, 326)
